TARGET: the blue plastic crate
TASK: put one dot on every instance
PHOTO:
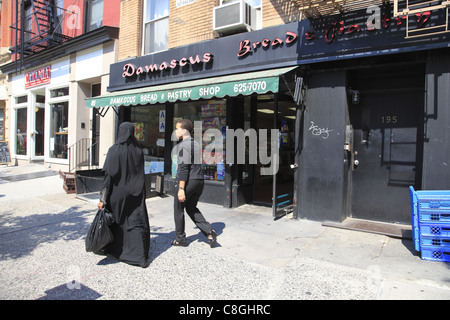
(434, 230)
(435, 242)
(416, 238)
(435, 254)
(434, 216)
(414, 217)
(437, 202)
(429, 207)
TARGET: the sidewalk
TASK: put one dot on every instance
(42, 256)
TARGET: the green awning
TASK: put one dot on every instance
(231, 85)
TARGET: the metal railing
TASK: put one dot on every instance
(80, 154)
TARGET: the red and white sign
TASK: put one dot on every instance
(37, 77)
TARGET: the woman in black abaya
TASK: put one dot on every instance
(123, 194)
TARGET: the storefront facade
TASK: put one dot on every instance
(356, 105)
(45, 118)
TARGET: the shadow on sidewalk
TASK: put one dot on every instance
(160, 242)
(20, 235)
(70, 291)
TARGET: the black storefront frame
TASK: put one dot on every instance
(230, 192)
(318, 44)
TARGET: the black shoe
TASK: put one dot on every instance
(176, 243)
(213, 239)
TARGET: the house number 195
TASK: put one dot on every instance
(389, 119)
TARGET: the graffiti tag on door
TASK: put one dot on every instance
(317, 131)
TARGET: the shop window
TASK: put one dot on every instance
(21, 135)
(149, 122)
(59, 129)
(156, 26)
(21, 99)
(212, 115)
(60, 92)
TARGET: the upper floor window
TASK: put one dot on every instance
(94, 14)
(156, 25)
(28, 23)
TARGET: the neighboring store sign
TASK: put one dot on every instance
(5, 155)
(376, 20)
(38, 77)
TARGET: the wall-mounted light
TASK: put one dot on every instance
(365, 136)
(355, 96)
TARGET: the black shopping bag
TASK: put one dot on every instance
(99, 234)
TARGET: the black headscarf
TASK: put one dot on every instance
(125, 161)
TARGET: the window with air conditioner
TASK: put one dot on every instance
(234, 16)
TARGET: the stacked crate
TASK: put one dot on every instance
(430, 215)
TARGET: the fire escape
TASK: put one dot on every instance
(38, 26)
(319, 8)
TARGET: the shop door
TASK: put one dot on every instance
(39, 130)
(95, 133)
(282, 191)
(37, 133)
(388, 142)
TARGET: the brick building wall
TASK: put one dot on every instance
(5, 57)
(276, 12)
(190, 23)
(130, 36)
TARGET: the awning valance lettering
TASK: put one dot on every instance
(259, 82)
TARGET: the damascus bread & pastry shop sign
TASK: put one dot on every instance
(38, 77)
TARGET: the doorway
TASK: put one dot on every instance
(95, 127)
(276, 112)
(38, 132)
(386, 111)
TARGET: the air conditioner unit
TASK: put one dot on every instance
(234, 17)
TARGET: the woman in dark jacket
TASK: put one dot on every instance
(123, 194)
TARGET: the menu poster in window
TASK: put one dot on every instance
(220, 171)
(147, 167)
(212, 109)
(284, 135)
(5, 156)
(211, 123)
(139, 131)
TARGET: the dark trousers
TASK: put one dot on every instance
(193, 190)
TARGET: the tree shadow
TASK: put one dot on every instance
(20, 235)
